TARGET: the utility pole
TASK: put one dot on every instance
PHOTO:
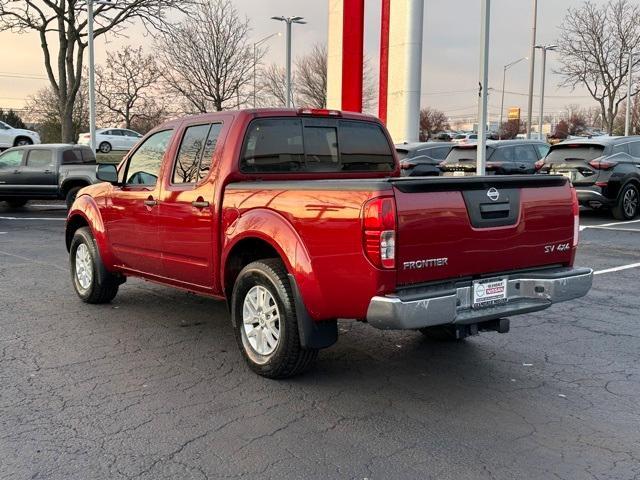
(289, 21)
(532, 66)
(544, 49)
(484, 84)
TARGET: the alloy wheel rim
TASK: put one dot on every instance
(84, 268)
(630, 202)
(261, 320)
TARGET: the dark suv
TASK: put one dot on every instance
(504, 157)
(421, 159)
(604, 170)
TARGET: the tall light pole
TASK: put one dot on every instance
(532, 67)
(255, 60)
(484, 86)
(289, 21)
(627, 117)
(544, 49)
(92, 70)
(504, 77)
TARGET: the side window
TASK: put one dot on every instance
(117, 133)
(525, 154)
(144, 165)
(504, 154)
(11, 159)
(209, 150)
(40, 158)
(634, 149)
(189, 154)
(437, 153)
(620, 149)
(71, 156)
(542, 150)
(87, 155)
(273, 145)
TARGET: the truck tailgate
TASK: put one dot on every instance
(450, 228)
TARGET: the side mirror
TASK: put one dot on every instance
(107, 172)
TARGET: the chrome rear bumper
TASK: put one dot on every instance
(526, 292)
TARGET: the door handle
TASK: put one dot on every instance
(200, 203)
(150, 202)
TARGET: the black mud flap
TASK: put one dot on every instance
(312, 334)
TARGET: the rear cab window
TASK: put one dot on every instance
(311, 145)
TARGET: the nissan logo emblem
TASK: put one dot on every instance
(493, 194)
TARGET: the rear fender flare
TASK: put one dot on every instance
(274, 229)
(86, 208)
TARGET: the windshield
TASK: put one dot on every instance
(585, 153)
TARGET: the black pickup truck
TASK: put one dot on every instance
(47, 171)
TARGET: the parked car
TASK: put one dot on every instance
(46, 171)
(422, 158)
(298, 217)
(12, 137)
(108, 139)
(604, 170)
(465, 138)
(504, 157)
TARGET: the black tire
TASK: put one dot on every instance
(441, 333)
(104, 285)
(21, 141)
(104, 147)
(17, 203)
(288, 358)
(71, 196)
(626, 208)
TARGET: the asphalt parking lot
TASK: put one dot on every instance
(153, 386)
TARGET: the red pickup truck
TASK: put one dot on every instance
(300, 217)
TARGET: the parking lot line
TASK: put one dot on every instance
(598, 227)
(617, 269)
(32, 218)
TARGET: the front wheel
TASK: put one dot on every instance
(91, 280)
(105, 147)
(626, 207)
(266, 327)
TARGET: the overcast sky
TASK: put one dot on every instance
(450, 49)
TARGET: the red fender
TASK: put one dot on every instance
(275, 230)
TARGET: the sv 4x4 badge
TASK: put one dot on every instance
(560, 247)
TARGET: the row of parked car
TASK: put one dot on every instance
(604, 170)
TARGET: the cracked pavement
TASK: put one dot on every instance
(153, 386)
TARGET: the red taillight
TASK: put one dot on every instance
(576, 216)
(319, 111)
(379, 231)
(539, 164)
(602, 164)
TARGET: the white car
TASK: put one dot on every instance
(13, 137)
(465, 138)
(108, 139)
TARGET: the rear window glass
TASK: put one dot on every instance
(575, 152)
(466, 154)
(274, 145)
(438, 153)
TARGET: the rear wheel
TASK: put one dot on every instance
(71, 196)
(22, 141)
(17, 203)
(626, 207)
(91, 280)
(105, 147)
(265, 321)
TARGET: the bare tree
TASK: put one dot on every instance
(207, 58)
(62, 27)
(432, 121)
(311, 72)
(127, 87)
(594, 47)
(272, 86)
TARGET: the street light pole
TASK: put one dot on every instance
(289, 21)
(484, 87)
(544, 49)
(532, 67)
(504, 77)
(255, 61)
(627, 118)
(92, 79)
